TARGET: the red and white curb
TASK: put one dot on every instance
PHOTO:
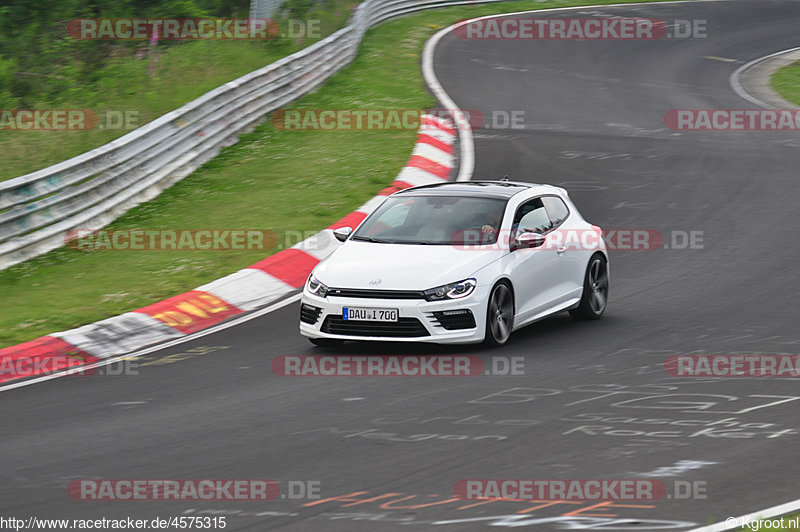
(254, 287)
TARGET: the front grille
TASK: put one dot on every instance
(403, 328)
(309, 313)
(376, 294)
(455, 319)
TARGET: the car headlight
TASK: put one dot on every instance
(314, 286)
(452, 290)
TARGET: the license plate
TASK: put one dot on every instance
(369, 314)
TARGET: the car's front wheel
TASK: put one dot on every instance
(499, 315)
(595, 291)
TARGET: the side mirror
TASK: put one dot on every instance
(342, 233)
(529, 240)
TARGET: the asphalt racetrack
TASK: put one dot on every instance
(594, 401)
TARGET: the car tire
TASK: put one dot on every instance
(499, 315)
(594, 299)
(326, 342)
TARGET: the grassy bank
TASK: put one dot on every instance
(141, 81)
(786, 81)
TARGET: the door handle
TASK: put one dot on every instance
(561, 251)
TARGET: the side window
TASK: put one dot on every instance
(555, 209)
(532, 216)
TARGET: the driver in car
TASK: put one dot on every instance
(491, 228)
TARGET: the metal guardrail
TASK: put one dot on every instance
(38, 210)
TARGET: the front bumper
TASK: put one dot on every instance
(418, 319)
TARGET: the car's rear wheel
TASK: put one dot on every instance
(499, 315)
(326, 342)
(595, 291)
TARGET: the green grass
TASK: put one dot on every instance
(278, 180)
(149, 86)
(786, 81)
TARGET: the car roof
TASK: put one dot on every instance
(482, 188)
(502, 189)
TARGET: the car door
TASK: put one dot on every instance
(538, 283)
(566, 236)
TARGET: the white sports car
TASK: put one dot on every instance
(461, 262)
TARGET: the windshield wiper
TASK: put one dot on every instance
(378, 241)
(369, 239)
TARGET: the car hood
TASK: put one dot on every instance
(401, 266)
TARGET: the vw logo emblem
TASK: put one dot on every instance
(375, 282)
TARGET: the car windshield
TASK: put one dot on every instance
(437, 220)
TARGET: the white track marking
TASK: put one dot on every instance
(736, 83)
(465, 144)
(465, 141)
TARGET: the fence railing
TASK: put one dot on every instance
(38, 210)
